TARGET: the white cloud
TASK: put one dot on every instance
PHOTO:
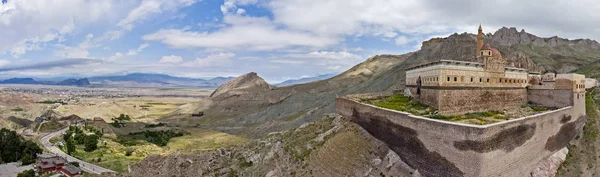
(287, 61)
(110, 35)
(149, 7)
(219, 59)
(115, 57)
(384, 17)
(329, 55)
(171, 59)
(28, 24)
(402, 40)
(4, 63)
(133, 52)
(334, 55)
(246, 33)
(72, 52)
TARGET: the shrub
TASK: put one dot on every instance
(74, 164)
(129, 151)
(26, 173)
(27, 159)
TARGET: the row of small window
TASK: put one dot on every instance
(580, 86)
(487, 80)
(472, 79)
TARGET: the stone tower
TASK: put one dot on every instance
(479, 40)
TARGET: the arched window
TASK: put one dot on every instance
(471, 79)
(488, 80)
(455, 79)
(480, 80)
(489, 52)
(448, 79)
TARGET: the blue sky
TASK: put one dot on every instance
(278, 39)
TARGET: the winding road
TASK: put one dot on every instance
(85, 166)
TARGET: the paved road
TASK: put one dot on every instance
(87, 167)
(13, 169)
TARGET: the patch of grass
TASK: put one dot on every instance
(160, 138)
(403, 103)
(52, 102)
(292, 116)
(17, 109)
(50, 126)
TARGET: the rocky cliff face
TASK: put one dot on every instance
(521, 49)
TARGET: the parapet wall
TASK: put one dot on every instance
(461, 100)
(550, 97)
(441, 148)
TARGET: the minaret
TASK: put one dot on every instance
(479, 40)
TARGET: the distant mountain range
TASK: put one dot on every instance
(304, 80)
(147, 80)
(69, 82)
(144, 79)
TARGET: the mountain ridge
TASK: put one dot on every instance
(291, 82)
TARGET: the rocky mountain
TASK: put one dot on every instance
(304, 80)
(134, 79)
(247, 83)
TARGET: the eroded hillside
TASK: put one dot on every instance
(327, 147)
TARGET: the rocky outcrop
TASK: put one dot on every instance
(548, 167)
(247, 83)
(510, 36)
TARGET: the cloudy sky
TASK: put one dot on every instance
(278, 39)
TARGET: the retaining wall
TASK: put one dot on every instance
(442, 148)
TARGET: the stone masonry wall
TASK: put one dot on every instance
(461, 100)
(441, 148)
(550, 97)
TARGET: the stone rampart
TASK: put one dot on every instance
(550, 97)
(442, 148)
(461, 100)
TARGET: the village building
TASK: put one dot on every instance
(57, 164)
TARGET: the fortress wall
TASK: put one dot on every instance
(441, 148)
(550, 97)
(515, 148)
(423, 144)
(461, 100)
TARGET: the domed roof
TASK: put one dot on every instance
(496, 54)
(486, 46)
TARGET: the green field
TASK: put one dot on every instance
(113, 154)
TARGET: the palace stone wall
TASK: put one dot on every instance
(441, 148)
(461, 100)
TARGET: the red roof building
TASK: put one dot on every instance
(57, 164)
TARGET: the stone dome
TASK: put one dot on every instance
(496, 53)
